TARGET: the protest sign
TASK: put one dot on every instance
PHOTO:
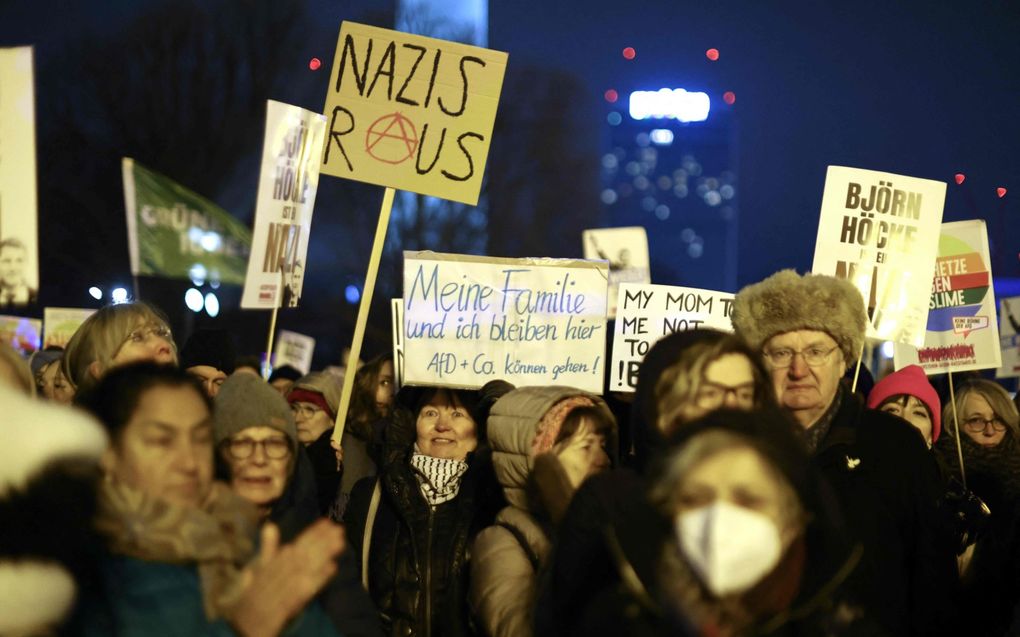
(20, 333)
(880, 231)
(469, 320)
(963, 331)
(397, 308)
(649, 312)
(295, 350)
(1009, 337)
(60, 324)
(178, 234)
(283, 210)
(411, 112)
(19, 247)
(626, 249)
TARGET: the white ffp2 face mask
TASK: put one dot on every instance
(729, 547)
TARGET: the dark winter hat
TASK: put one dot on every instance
(787, 301)
(912, 381)
(212, 347)
(285, 372)
(42, 358)
(248, 401)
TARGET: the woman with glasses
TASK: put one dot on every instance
(116, 335)
(990, 444)
(314, 399)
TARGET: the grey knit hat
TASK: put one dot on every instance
(786, 302)
(248, 401)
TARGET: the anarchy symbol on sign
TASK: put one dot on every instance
(391, 139)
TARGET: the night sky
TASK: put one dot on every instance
(927, 89)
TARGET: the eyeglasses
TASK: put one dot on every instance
(813, 356)
(276, 448)
(142, 334)
(711, 395)
(305, 410)
(977, 424)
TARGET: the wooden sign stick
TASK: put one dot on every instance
(363, 310)
(272, 330)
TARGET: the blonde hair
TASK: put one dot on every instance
(102, 335)
(19, 369)
(998, 399)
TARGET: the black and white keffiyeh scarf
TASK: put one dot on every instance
(438, 478)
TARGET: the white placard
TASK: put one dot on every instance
(469, 320)
(626, 249)
(649, 312)
(283, 212)
(963, 331)
(293, 349)
(1009, 337)
(60, 324)
(19, 248)
(880, 231)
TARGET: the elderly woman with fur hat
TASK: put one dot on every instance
(545, 441)
(809, 329)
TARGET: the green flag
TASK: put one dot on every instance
(178, 234)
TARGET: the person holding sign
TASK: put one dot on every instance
(990, 441)
(809, 329)
(411, 526)
(117, 335)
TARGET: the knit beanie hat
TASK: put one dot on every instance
(319, 388)
(786, 302)
(248, 401)
(912, 381)
(211, 347)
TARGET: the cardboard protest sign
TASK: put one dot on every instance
(647, 313)
(469, 320)
(295, 350)
(20, 333)
(283, 210)
(963, 332)
(626, 249)
(60, 324)
(410, 112)
(397, 308)
(19, 247)
(1009, 337)
(178, 234)
(880, 231)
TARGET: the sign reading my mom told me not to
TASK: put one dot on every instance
(411, 112)
(470, 319)
(646, 313)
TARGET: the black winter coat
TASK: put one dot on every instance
(418, 562)
(888, 486)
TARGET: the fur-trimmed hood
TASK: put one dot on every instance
(787, 301)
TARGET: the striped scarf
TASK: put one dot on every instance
(438, 478)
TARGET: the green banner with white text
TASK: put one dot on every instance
(178, 234)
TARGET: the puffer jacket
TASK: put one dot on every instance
(418, 561)
(508, 556)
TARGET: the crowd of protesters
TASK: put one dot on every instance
(745, 488)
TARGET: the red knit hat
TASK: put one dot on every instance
(910, 380)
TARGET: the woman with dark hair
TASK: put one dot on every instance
(371, 403)
(182, 557)
(411, 526)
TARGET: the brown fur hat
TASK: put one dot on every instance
(786, 301)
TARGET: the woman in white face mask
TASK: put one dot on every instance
(735, 538)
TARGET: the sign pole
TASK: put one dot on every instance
(363, 310)
(272, 328)
(956, 419)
